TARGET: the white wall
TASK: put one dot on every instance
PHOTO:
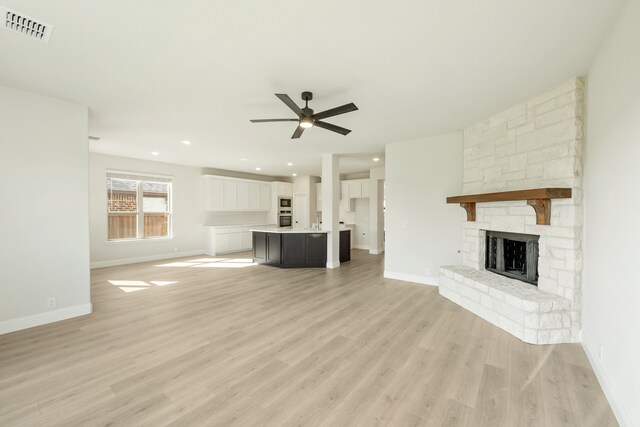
(188, 213)
(422, 231)
(235, 218)
(44, 224)
(611, 295)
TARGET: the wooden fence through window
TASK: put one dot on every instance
(124, 226)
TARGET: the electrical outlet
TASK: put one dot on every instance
(601, 353)
(51, 302)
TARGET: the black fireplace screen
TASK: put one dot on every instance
(513, 255)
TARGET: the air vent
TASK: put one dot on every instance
(14, 21)
(94, 138)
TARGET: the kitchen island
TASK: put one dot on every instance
(290, 248)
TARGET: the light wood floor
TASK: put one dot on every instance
(226, 345)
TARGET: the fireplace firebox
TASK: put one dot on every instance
(513, 255)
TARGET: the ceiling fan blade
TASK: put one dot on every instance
(333, 128)
(272, 120)
(297, 133)
(346, 108)
(285, 98)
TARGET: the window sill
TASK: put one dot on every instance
(152, 239)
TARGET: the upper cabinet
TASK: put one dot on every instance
(213, 194)
(358, 188)
(354, 189)
(283, 189)
(234, 194)
(350, 189)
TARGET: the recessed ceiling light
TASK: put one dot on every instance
(185, 142)
(258, 168)
(289, 164)
(376, 159)
(294, 174)
(155, 153)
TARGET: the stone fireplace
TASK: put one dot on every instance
(536, 144)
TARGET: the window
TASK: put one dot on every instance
(138, 206)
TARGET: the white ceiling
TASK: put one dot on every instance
(156, 72)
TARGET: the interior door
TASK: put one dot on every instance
(300, 211)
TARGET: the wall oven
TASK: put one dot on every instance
(285, 220)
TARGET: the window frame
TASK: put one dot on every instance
(140, 179)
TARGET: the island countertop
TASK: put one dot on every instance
(288, 230)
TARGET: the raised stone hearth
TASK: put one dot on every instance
(521, 309)
(533, 145)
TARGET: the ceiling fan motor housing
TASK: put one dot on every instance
(307, 96)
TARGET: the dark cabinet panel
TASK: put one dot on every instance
(345, 245)
(293, 250)
(259, 247)
(316, 249)
(274, 254)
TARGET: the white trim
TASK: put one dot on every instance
(376, 251)
(123, 261)
(12, 325)
(138, 174)
(332, 264)
(423, 280)
(622, 416)
(147, 239)
(366, 247)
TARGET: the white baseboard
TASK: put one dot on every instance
(423, 280)
(609, 391)
(376, 251)
(361, 247)
(333, 264)
(51, 316)
(124, 261)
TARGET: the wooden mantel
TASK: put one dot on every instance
(538, 198)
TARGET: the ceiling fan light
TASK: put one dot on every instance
(306, 122)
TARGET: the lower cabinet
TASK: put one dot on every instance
(223, 239)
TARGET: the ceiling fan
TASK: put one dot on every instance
(306, 117)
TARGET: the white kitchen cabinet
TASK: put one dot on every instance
(355, 189)
(218, 241)
(247, 237)
(235, 194)
(348, 204)
(254, 196)
(225, 239)
(235, 242)
(284, 189)
(214, 194)
(358, 188)
(243, 195)
(230, 195)
(265, 197)
(365, 188)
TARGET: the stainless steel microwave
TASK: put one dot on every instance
(284, 202)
